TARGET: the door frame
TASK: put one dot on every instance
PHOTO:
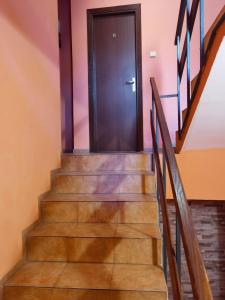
(66, 75)
(115, 10)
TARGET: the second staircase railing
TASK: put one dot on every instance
(184, 53)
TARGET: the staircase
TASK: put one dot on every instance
(98, 235)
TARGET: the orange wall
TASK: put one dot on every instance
(29, 116)
(202, 172)
(159, 20)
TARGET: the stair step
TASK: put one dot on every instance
(111, 182)
(100, 211)
(138, 231)
(57, 197)
(71, 281)
(103, 162)
(109, 243)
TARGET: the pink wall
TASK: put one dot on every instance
(29, 117)
(212, 9)
(159, 20)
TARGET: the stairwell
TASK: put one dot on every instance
(98, 235)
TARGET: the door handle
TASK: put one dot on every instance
(133, 83)
(130, 82)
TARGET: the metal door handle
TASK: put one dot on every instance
(133, 83)
(130, 82)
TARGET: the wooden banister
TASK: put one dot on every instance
(180, 19)
(199, 280)
(193, 14)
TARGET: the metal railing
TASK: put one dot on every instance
(184, 56)
(184, 225)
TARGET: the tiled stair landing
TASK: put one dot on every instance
(98, 236)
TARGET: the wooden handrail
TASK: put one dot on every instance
(198, 276)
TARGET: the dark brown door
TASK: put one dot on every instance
(115, 111)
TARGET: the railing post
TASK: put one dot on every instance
(152, 115)
(178, 86)
(188, 37)
(178, 247)
(157, 131)
(202, 33)
(165, 268)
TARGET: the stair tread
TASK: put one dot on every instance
(91, 276)
(62, 172)
(91, 154)
(97, 230)
(55, 197)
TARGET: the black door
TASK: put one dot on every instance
(115, 107)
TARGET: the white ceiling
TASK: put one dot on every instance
(207, 129)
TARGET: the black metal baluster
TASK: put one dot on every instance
(165, 267)
(188, 37)
(152, 115)
(178, 87)
(202, 33)
(178, 247)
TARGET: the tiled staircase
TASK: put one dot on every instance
(98, 236)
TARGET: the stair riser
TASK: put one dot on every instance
(95, 250)
(100, 212)
(103, 184)
(90, 163)
(25, 293)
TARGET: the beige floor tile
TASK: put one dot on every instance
(90, 250)
(90, 276)
(37, 274)
(109, 183)
(98, 212)
(138, 278)
(27, 293)
(134, 251)
(59, 211)
(47, 249)
(138, 231)
(131, 184)
(144, 212)
(149, 183)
